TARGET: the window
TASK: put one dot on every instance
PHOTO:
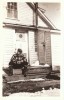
(12, 10)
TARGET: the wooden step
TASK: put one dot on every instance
(34, 72)
(42, 72)
(29, 86)
(38, 72)
(36, 76)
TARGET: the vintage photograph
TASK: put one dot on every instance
(31, 55)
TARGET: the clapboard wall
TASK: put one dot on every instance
(48, 48)
(32, 53)
(56, 50)
(9, 45)
(25, 14)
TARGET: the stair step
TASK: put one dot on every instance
(32, 73)
(36, 76)
(36, 73)
(38, 69)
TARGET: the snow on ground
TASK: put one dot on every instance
(50, 92)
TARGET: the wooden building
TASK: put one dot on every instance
(26, 26)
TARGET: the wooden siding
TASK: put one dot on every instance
(32, 54)
(9, 45)
(48, 48)
(25, 14)
(44, 47)
(56, 46)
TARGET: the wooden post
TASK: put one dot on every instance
(28, 49)
(36, 7)
(35, 15)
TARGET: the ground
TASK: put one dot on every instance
(50, 86)
(49, 92)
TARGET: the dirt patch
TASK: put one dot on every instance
(29, 86)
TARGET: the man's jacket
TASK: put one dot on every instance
(18, 59)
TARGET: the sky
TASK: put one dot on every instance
(53, 12)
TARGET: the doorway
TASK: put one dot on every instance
(22, 42)
(41, 47)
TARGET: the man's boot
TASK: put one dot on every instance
(10, 70)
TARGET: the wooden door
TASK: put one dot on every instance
(41, 47)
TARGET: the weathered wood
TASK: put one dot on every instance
(41, 47)
(48, 58)
(32, 72)
(38, 72)
(29, 86)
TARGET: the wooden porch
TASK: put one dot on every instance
(32, 73)
(35, 80)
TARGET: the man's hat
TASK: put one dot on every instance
(19, 50)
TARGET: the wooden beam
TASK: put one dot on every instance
(42, 16)
(36, 15)
(14, 26)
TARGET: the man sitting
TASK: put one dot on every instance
(17, 61)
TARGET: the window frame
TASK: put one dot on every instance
(12, 12)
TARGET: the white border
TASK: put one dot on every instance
(48, 1)
(62, 56)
